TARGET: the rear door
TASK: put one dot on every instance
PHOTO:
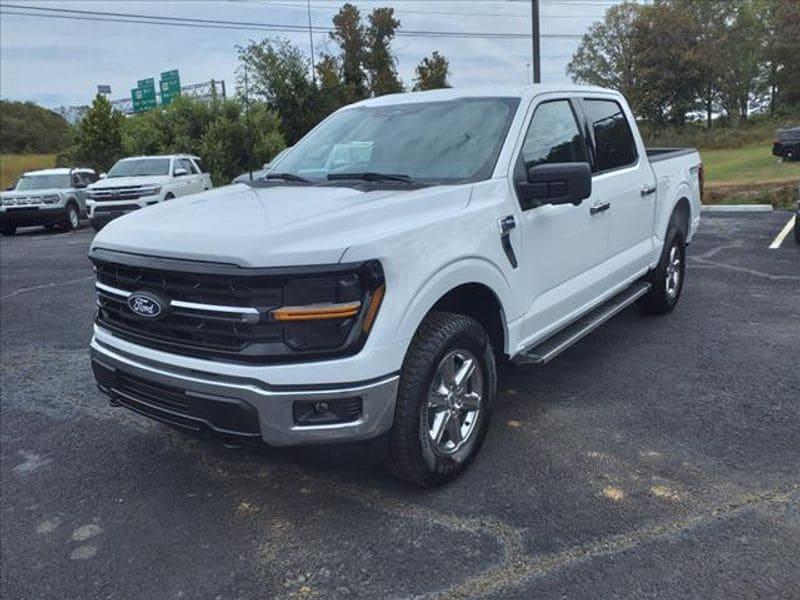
(194, 180)
(563, 246)
(623, 178)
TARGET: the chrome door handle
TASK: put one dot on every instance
(599, 207)
(648, 189)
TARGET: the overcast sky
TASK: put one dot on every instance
(60, 62)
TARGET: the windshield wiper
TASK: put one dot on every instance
(371, 176)
(286, 177)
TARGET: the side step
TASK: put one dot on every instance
(547, 350)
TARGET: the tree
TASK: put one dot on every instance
(348, 33)
(379, 61)
(782, 26)
(432, 73)
(605, 56)
(669, 73)
(278, 73)
(99, 139)
(28, 128)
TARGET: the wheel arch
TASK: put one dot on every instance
(474, 287)
(681, 216)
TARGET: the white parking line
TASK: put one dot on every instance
(782, 235)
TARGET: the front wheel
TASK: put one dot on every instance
(791, 154)
(72, 219)
(447, 388)
(667, 278)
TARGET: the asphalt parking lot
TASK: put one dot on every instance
(658, 458)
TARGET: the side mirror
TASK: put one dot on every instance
(180, 172)
(102, 175)
(79, 185)
(555, 183)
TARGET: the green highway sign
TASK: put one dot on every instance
(170, 85)
(144, 96)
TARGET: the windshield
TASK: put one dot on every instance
(140, 166)
(431, 142)
(43, 182)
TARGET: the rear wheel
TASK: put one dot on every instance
(667, 277)
(444, 402)
(791, 154)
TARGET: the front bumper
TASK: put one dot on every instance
(32, 216)
(101, 212)
(235, 407)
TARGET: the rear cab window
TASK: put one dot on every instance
(613, 138)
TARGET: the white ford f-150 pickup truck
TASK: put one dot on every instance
(139, 181)
(368, 285)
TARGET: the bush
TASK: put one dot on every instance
(219, 132)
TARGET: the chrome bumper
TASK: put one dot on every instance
(272, 404)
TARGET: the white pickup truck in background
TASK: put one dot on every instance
(136, 182)
(367, 286)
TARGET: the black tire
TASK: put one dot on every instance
(169, 196)
(664, 294)
(791, 154)
(413, 455)
(797, 227)
(72, 217)
(8, 230)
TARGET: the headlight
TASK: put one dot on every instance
(330, 312)
(52, 199)
(8, 202)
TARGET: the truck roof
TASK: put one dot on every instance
(526, 91)
(160, 156)
(57, 171)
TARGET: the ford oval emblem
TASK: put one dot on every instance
(145, 305)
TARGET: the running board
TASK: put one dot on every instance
(547, 350)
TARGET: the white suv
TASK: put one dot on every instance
(140, 181)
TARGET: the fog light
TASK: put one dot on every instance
(328, 412)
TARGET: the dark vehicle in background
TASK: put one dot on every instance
(50, 197)
(787, 144)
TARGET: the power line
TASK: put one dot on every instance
(145, 19)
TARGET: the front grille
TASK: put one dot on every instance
(121, 193)
(193, 332)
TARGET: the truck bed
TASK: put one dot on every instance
(659, 154)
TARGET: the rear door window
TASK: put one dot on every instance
(613, 138)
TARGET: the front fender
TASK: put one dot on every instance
(470, 270)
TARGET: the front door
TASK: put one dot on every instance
(562, 246)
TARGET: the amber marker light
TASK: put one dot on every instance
(372, 309)
(316, 312)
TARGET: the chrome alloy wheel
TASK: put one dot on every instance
(673, 278)
(451, 412)
(74, 218)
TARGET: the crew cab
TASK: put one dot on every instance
(367, 287)
(49, 197)
(136, 182)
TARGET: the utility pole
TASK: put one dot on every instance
(537, 45)
(247, 124)
(311, 40)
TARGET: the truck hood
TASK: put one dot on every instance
(275, 226)
(32, 193)
(118, 182)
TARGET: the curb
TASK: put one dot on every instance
(736, 208)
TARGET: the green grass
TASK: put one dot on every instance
(748, 165)
(14, 165)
